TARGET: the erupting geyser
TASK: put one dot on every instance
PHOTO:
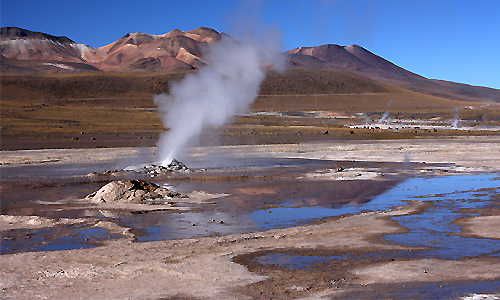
(454, 122)
(226, 86)
(386, 114)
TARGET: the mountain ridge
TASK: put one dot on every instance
(357, 60)
(174, 50)
(25, 51)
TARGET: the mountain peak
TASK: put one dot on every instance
(203, 30)
(16, 33)
(350, 58)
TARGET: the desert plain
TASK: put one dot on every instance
(308, 195)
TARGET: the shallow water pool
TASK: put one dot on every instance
(449, 196)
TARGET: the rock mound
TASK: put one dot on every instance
(132, 191)
(176, 165)
(155, 170)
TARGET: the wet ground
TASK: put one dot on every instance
(257, 194)
(261, 194)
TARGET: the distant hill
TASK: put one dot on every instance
(175, 50)
(28, 52)
(355, 59)
(351, 58)
(171, 51)
(22, 44)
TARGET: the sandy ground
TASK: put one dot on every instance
(225, 267)
(480, 153)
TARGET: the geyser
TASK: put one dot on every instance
(386, 114)
(456, 118)
(211, 96)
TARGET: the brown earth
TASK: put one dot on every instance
(117, 110)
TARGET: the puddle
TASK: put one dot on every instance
(411, 189)
(73, 237)
(168, 226)
(433, 227)
(434, 290)
(421, 188)
(296, 203)
(295, 262)
(430, 228)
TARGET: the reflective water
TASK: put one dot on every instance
(421, 188)
(75, 237)
(430, 228)
(433, 227)
(295, 262)
(449, 196)
(433, 290)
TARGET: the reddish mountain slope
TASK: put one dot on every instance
(133, 52)
(24, 51)
(21, 44)
(170, 51)
(356, 59)
(349, 58)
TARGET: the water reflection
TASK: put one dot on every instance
(282, 203)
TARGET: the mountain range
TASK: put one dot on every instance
(28, 52)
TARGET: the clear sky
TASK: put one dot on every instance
(456, 40)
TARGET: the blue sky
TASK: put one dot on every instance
(456, 40)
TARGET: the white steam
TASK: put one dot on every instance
(386, 114)
(210, 97)
(456, 118)
(384, 117)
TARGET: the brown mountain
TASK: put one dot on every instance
(356, 59)
(170, 51)
(22, 44)
(350, 58)
(25, 51)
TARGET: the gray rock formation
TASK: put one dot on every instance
(132, 191)
(155, 170)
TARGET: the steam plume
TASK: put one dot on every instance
(386, 114)
(454, 122)
(484, 118)
(209, 97)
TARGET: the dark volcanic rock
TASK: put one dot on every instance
(155, 170)
(132, 191)
(150, 170)
(176, 165)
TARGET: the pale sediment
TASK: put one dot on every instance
(223, 267)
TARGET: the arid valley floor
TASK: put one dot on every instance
(235, 242)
